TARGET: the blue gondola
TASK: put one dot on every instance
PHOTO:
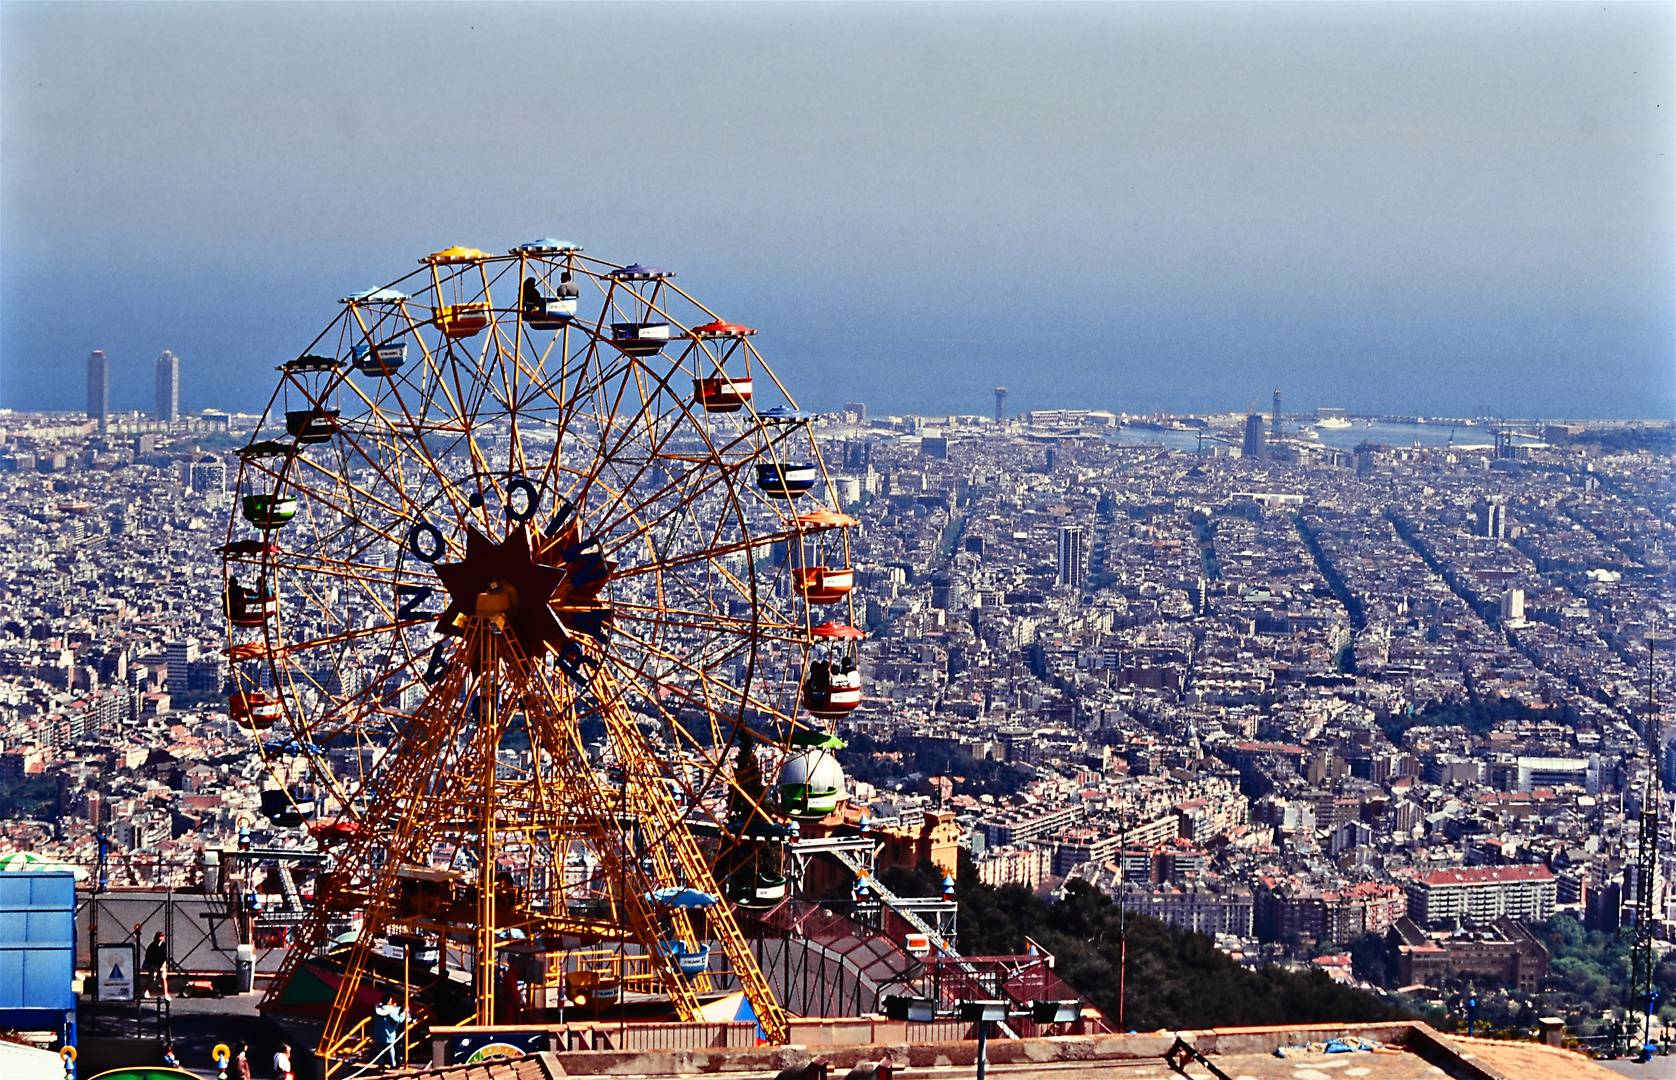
(374, 296)
(636, 272)
(640, 338)
(682, 896)
(380, 360)
(786, 481)
(689, 961)
(546, 246)
(782, 415)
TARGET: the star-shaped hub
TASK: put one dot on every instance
(513, 585)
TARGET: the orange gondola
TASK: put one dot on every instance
(254, 709)
(815, 580)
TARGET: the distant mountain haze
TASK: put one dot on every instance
(1418, 208)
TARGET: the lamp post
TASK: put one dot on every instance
(983, 1013)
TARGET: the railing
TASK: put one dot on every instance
(634, 972)
(351, 1048)
(669, 1036)
(347, 1049)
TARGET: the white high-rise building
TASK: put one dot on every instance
(1073, 559)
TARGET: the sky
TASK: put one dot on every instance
(1434, 208)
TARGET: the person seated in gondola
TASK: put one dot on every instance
(567, 289)
(820, 674)
(532, 295)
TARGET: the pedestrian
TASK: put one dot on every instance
(157, 965)
(387, 1022)
(170, 1058)
(282, 1063)
(243, 1061)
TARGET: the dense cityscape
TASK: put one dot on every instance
(1286, 693)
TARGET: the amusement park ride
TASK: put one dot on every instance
(548, 614)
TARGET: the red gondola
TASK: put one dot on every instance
(722, 395)
(250, 607)
(832, 688)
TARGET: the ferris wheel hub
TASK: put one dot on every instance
(490, 582)
(500, 600)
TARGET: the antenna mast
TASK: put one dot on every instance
(1642, 960)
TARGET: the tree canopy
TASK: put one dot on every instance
(1176, 978)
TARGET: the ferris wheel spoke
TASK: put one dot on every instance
(720, 688)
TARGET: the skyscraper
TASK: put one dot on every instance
(1274, 418)
(1253, 447)
(98, 387)
(1072, 562)
(168, 387)
(1000, 403)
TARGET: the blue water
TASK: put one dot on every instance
(1379, 432)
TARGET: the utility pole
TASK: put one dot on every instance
(1122, 923)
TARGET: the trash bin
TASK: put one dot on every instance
(245, 968)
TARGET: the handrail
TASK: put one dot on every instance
(339, 1053)
(354, 1042)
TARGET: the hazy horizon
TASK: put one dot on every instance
(1415, 209)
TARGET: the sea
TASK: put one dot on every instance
(1383, 433)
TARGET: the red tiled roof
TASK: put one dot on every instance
(1488, 875)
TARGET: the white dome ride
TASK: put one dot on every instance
(812, 781)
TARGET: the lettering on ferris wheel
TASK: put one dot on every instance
(410, 597)
(586, 564)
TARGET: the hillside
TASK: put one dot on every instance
(1176, 978)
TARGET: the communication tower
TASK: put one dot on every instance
(1643, 960)
(1000, 403)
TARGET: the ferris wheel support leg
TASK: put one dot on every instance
(638, 757)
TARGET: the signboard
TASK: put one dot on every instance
(116, 971)
(488, 1046)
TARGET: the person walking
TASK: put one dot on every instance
(242, 1061)
(387, 1023)
(157, 965)
(282, 1063)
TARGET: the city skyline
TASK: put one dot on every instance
(1439, 211)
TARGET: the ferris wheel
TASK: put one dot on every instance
(539, 601)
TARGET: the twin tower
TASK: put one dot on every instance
(99, 387)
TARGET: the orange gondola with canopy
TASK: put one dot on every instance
(466, 318)
(832, 688)
(815, 578)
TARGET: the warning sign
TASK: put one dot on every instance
(115, 966)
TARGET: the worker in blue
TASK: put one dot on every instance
(387, 1023)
